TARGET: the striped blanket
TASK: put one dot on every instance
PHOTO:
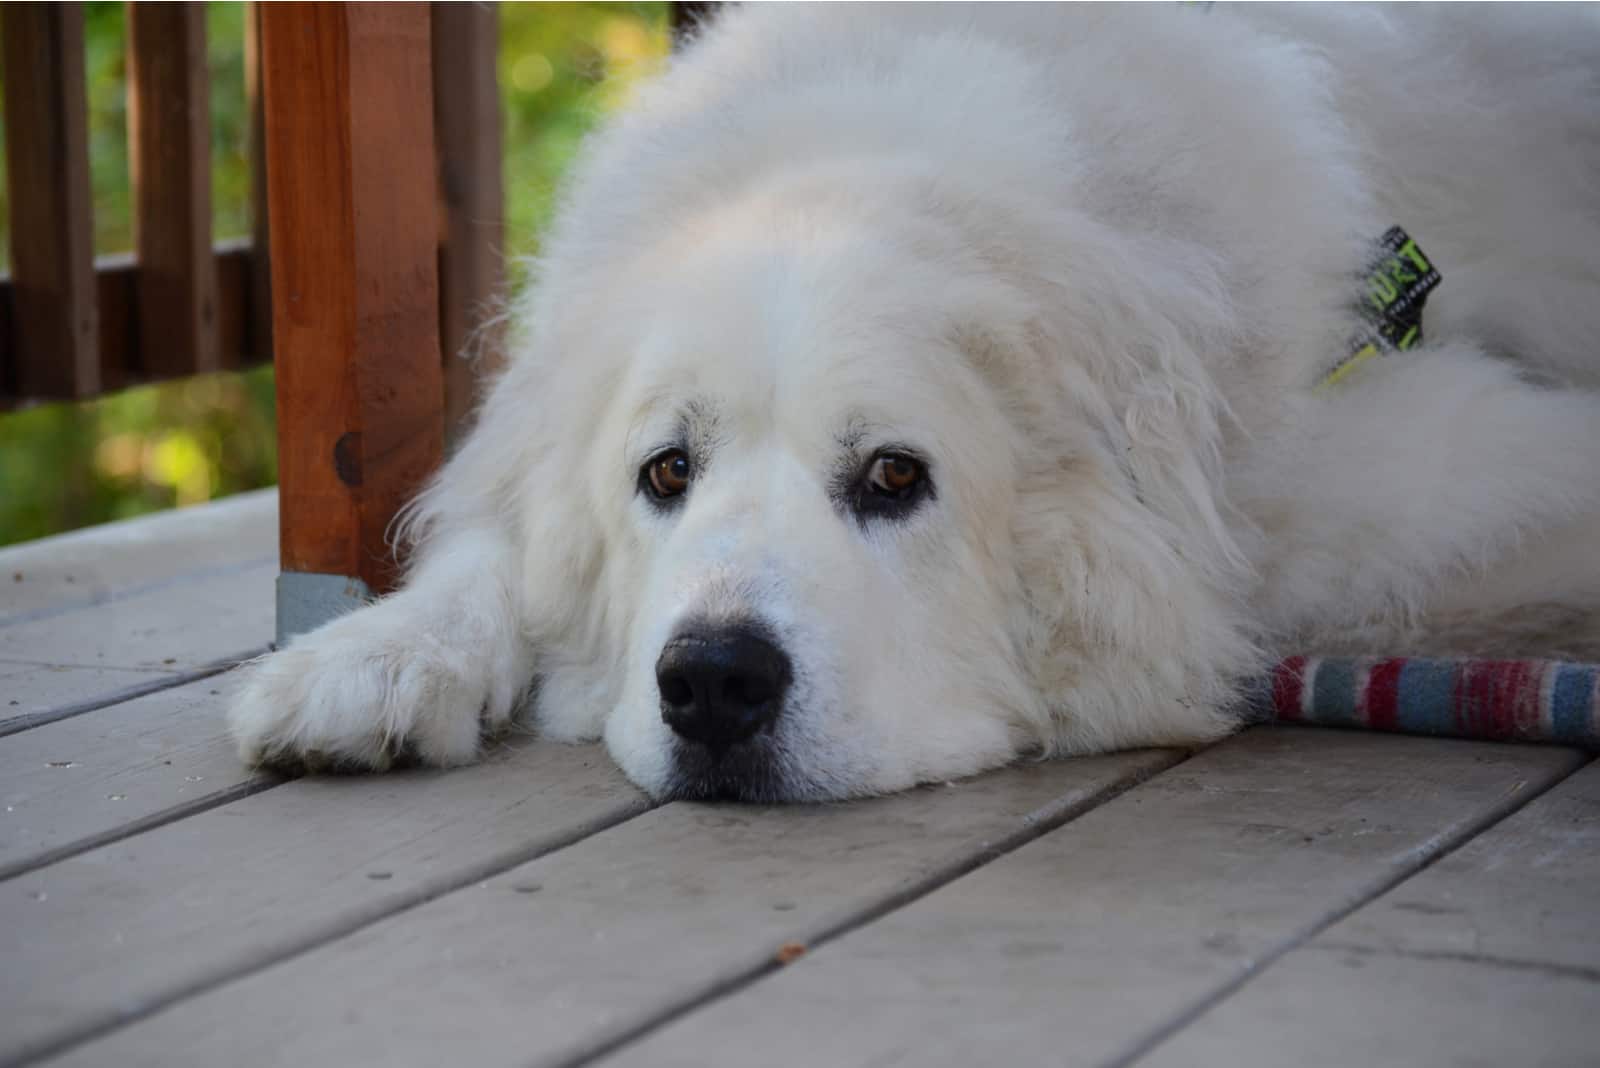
(1500, 700)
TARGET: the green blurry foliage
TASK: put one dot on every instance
(562, 67)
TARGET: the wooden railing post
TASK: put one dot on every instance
(353, 215)
(466, 109)
(52, 348)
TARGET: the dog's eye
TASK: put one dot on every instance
(894, 475)
(667, 474)
(892, 485)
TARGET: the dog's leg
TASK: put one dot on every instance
(1435, 492)
(424, 673)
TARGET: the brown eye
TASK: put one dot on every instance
(668, 473)
(892, 486)
(894, 475)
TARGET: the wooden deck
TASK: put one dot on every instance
(1294, 896)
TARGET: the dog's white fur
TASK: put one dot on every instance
(1091, 263)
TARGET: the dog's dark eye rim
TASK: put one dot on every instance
(891, 484)
(666, 475)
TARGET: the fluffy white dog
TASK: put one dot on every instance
(909, 389)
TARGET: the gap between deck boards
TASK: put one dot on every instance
(1424, 858)
(1061, 809)
(173, 814)
(29, 720)
(740, 980)
(1486, 957)
(84, 781)
(138, 826)
(311, 939)
(108, 614)
(807, 1013)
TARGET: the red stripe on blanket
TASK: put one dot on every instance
(1495, 697)
(1381, 700)
(1288, 686)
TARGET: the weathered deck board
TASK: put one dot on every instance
(169, 631)
(70, 785)
(33, 691)
(113, 933)
(571, 951)
(1079, 947)
(1258, 904)
(1480, 959)
(98, 564)
(108, 612)
(187, 622)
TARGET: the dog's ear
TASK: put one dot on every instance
(1132, 569)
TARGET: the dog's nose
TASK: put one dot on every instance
(721, 685)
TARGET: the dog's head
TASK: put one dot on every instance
(821, 504)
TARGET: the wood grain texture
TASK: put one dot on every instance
(115, 933)
(1079, 947)
(32, 692)
(1399, 1012)
(85, 780)
(50, 349)
(1491, 956)
(94, 565)
(169, 154)
(466, 109)
(166, 631)
(8, 369)
(561, 955)
(353, 219)
(241, 309)
(96, 613)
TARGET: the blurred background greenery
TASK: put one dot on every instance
(562, 66)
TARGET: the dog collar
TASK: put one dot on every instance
(1395, 286)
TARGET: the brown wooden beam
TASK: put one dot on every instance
(117, 300)
(169, 139)
(351, 184)
(466, 109)
(50, 344)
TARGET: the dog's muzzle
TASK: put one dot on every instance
(721, 685)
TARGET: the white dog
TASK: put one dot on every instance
(910, 389)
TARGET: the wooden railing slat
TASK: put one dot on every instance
(259, 322)
(51, 349)
(170, 157)
(466, 108)
(351, 173)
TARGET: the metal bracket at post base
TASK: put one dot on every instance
(306, 601)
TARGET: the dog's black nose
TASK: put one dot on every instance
(720, 685)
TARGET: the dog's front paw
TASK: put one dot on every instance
(360, 693)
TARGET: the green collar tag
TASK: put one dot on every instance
(1394, 289)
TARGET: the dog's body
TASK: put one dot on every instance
(908, 389)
